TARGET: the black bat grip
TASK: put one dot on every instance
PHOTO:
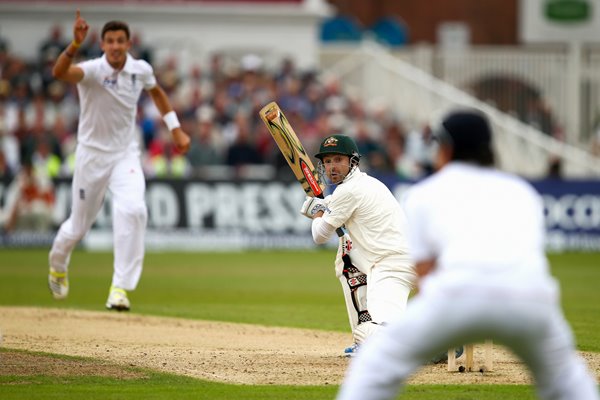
(339, 231)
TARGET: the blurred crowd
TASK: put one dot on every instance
(217, 104)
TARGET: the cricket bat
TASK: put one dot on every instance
(292, 149)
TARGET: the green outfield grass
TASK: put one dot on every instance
(163, 386)
(174, 387)
(294, 289)
(579, 277)
(160, 386)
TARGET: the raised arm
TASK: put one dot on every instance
(63, 68)
(180, 138)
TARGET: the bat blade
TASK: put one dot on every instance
(291, 148)
(294, 153)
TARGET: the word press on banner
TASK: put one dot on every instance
(198, 215)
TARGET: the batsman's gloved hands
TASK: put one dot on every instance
(313, 205)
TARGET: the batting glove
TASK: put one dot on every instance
(313, 205)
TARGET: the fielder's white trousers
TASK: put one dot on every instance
(534, 329)
(95, 173)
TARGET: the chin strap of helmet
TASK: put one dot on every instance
(354, 161)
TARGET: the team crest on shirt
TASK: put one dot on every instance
(330, 142)
(110, 81)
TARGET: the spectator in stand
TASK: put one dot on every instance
(224, 111)
(395, 151)
(419, 157)
(163, 160)
(554, 168)
(286, 70)
(367, 146)
(206, 148)
(168, 77)
(14, 71)
(52, 46)
(21, 93)
(9, 148)
(139, 50)
(243, 151)
(4, 57)
(40, 138)
(29, 201)
(192, 94)
(394, 139)
(216, 71)
(62, 133)
(166, 162)
(48, 52)
(4, 91)
(60, 104)
(291, 98)
(6, 172)
(43, 159)
(22, 133)
(91, 48)
(315, 104)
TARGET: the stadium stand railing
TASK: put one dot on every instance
(372, 72)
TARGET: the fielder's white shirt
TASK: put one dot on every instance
(108, 101)
(460, 214)
(373, 217)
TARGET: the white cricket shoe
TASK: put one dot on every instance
(117, 299)
(58, 282)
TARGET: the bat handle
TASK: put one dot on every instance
(339, 231)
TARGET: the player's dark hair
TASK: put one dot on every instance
(115, 26)
(470, 135)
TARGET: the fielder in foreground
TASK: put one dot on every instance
(108, 155)
(477, 237)
(376, 225)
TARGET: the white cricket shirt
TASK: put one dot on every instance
(482, 226)
(108, 101)
(372, 215)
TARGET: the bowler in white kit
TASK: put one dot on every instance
(108, 155)
(477, 237)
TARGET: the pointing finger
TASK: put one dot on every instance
(77, 14)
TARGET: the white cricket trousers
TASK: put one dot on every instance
(534, 329)
(389, 284)
(121, 173)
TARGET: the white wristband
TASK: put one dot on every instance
(171, 120)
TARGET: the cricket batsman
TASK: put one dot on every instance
(378, 282)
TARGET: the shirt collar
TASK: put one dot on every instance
(126, 67)
(353, 173)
